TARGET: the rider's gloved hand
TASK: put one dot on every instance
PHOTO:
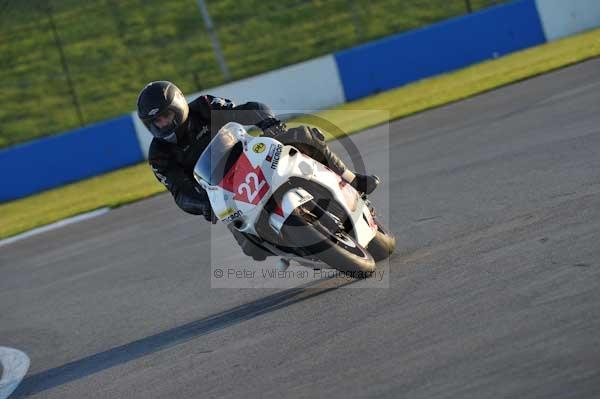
(196, 206)
(272, 127)
(208, 213)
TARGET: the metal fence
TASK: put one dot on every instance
(66, 63)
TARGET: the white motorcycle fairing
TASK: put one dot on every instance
(240, 173)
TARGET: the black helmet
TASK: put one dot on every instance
(158, 98)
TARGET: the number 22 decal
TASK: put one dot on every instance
(246, 182)
(252, 180)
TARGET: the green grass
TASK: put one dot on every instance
(113, 47)
(137, 182)
(108, 190)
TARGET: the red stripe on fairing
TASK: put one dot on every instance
(279, 210)
(248, 184)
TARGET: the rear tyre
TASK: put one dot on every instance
(336, 248)
(382, 245)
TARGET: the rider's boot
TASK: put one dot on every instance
(365, 184)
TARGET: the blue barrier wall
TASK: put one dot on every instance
(440, 48)
(54, 161)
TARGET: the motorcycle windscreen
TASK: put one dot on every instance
(218, 157)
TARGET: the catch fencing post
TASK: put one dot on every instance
(214, 39)
(469, 6)
(64, 63)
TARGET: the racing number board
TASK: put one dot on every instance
(248, 184)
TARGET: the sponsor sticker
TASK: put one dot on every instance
(276, 155)
(233, 216)
(227, 212)
(272, 148)
(258, 148)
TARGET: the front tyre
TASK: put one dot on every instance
(383, 244)
(332, 246)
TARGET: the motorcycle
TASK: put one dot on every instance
(289, 204)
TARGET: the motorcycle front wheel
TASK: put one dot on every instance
(383, 244)
(324, 241)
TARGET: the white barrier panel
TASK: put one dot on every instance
(308, 86)
(561, 18)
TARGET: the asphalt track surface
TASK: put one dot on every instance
(494, 291)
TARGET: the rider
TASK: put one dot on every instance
(182, 131)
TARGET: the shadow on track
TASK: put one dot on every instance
(81, 368)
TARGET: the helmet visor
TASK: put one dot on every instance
(163, 124)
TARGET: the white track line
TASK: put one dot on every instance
(55, 225)
(15, 365)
